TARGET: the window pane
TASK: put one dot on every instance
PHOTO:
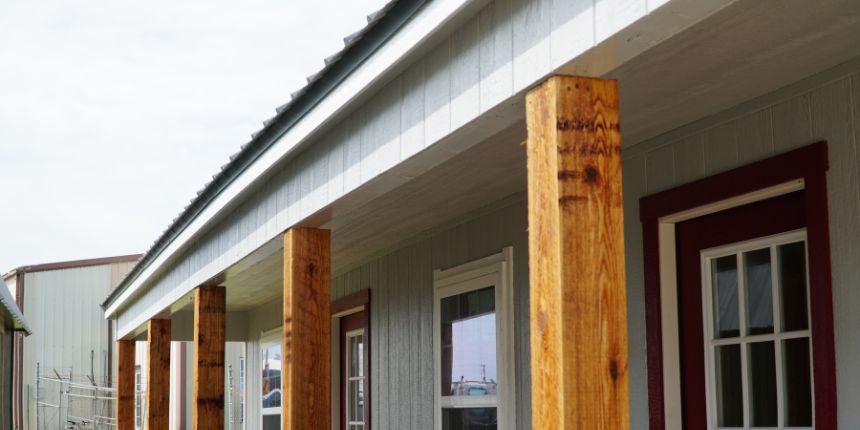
(356, 355)
(759, 294)
(724, 278)
(271, 356)
(272, 422)
(798, 384)
(792, 277)
(469, 419)
(730, 410)
(356, 400)
(762, 377)
(469, 343)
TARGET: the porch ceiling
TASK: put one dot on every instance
(478, 177)
(748, 49)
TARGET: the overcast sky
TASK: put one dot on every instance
(114, 113)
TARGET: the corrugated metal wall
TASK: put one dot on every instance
(62, 308)
(823, 107)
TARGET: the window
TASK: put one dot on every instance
(757, 331)
(140, 396)
(350, 354)
(270, 355)
(355, 380)
(473, 339)
(242, 390)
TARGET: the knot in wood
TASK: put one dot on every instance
(613, 369)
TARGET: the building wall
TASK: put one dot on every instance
(62, 307)
(401, 285)
(6, 374)
(823, 107)
(497, 53)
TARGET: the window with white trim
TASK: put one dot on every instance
(271, 364)
(473, 345)
(140, 397)
(757, 334)
(242, 390)
(355, 380)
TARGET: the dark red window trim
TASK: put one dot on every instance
(809, 163)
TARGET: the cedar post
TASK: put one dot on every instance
(125, 394)
(307, 327)
(576, 256)
(158, 376)
(209, 346)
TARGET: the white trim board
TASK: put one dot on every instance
(672, 398)
(496, 270)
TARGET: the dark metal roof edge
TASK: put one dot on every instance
(73, 264)
(358, 49)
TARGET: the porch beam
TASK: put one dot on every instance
(209, 346)
(576, 256)
(125, 385)
(307, 327)
(158, 375)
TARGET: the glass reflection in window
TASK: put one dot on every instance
(271, 356)
(468, 329)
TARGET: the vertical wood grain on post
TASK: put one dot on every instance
(125, 385)
(307, 327)
(209, 347)
(576, 256)
(158, 376)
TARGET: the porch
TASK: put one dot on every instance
(530, 192)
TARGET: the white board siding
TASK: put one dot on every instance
(825, 106)
(500, 51)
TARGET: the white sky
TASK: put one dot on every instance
(114, 113)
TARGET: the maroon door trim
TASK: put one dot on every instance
(360, 318)
(809, 163)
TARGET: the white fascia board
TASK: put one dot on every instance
(431, 18)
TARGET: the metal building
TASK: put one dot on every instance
(71, 341)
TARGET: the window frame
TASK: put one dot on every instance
(139, 398)
(267, 340)
(804, 169)
(743, 340)
(495, 270)
(345, 307)
(349, 378)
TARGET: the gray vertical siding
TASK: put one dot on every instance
(823, 107)
(401, 285)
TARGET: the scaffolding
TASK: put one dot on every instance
(69, 401)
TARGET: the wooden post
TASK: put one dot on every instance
(209, 346)
(125, 385)
(307, 327)
(576, 256)
(158, 376)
